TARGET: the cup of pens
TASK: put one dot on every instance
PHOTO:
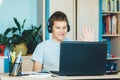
(15, 65)
(15, 71)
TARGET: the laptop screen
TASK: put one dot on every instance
(82, 58)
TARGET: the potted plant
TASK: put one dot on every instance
(4, 41)
(32, 36)
(16, 39)
(28, 38)
(2, 44)
(16, 32)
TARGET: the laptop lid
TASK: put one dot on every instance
(82, 58)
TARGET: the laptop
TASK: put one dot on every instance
(82, 58)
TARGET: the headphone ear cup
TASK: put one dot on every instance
(49, 29)
(68, 28)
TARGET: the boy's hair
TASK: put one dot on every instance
(57, 16)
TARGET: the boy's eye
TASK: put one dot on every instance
(64, 27)
(60, 27)
(57, 27)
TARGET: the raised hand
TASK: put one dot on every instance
(87, 34)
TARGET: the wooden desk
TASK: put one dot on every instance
(108, 77)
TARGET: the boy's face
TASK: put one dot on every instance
(59, 30)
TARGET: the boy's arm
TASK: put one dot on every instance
(37, 66)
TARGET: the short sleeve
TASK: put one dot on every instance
(38, 53)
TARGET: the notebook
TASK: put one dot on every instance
(82, 58)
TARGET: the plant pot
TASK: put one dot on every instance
(2, 47)
(20, 48)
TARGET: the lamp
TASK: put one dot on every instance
(1, 2)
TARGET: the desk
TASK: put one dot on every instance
(108, 77)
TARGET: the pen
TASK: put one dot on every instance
(13, 57)
(18, 58)
(8, 55)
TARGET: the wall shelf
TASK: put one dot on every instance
(115, 58)
(111, 12)
(111, 35)
(110, 28)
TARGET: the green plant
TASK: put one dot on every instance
(31, 37)
(16, 32)
(34, 36)
(4, 39)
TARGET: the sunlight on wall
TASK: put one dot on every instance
(1, 2)
(21, 9)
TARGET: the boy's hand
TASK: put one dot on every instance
(87, 34)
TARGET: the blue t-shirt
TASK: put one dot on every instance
(48, 53)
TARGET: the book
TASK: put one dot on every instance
(114, 25)
(118, 29)
(107, 31)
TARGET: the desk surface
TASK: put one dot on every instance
(6, 77)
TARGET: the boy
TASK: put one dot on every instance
(46, 55)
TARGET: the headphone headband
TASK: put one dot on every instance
(59, 16)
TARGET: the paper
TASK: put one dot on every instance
(36, 74)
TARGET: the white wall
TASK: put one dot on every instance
(88, 14)
(1, 65)
(40, 7)
(67, 6)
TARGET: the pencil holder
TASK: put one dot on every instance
(15, 69)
